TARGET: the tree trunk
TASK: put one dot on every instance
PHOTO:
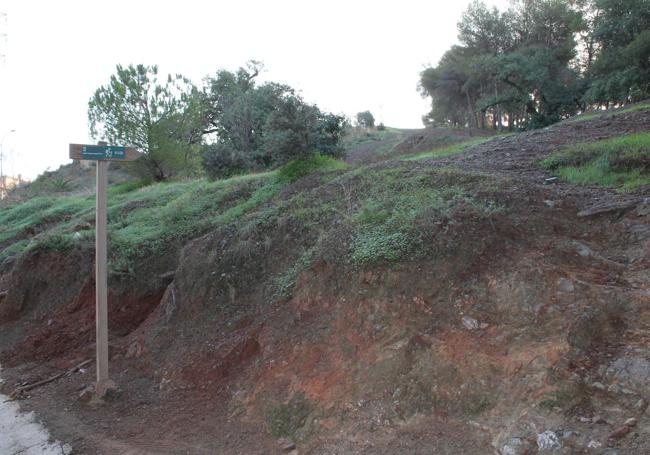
(470, 110)
(498, 108)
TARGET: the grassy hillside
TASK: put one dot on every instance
(445, 285)
(381, 206)
(386, 210)
(142, 220)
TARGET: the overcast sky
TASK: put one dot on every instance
(345, 56)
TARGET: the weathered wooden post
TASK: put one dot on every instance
(103, 154)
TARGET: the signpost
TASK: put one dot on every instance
(103, 154)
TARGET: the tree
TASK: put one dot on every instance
(161, 120)
(297, 130)
(487, 31)
(621, 70)
(452, 96)
(366, 119)
(260, 126)
(513, 67)
(235, 108)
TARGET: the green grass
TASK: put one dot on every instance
(370, 215)
(593, 115)
(359, 136)
(447, 150)
(364, 215)
(385, 140)
(145, 220)
(621, 162)
(285, 420)
(400, 210)
(174, 212)
(297, 169)
(284, 284)
(142, 221)
(37, 213)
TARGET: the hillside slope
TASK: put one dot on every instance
(456, 301)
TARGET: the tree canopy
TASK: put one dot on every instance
(260, 126)
(366, 119)
(160, 119)
(538, 62)
(232, 122)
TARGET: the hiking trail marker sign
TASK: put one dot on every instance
(103, 154)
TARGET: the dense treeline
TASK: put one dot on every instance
(539, 62)
(230, 125)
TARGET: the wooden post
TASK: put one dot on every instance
(101, 280)
(103, 154)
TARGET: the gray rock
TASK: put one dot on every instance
(564, 285)
(641, 405)
(516, 446)
(583, 250)
(598, 385)
(593, 444)
(598, 419)
(548, 440)
(643, 208)
(631, 422)
(286, 445)
(630, 373)
(470, 323)
(614, 388)
(87, 394)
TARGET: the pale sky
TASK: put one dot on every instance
(345, 56)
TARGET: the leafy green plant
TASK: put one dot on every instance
(286, 282)
(143, 219)
(401, 210)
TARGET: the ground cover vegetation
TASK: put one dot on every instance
(451, 149)
(364, 215)
(539, 62)
(143, 221)
(620, 162)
